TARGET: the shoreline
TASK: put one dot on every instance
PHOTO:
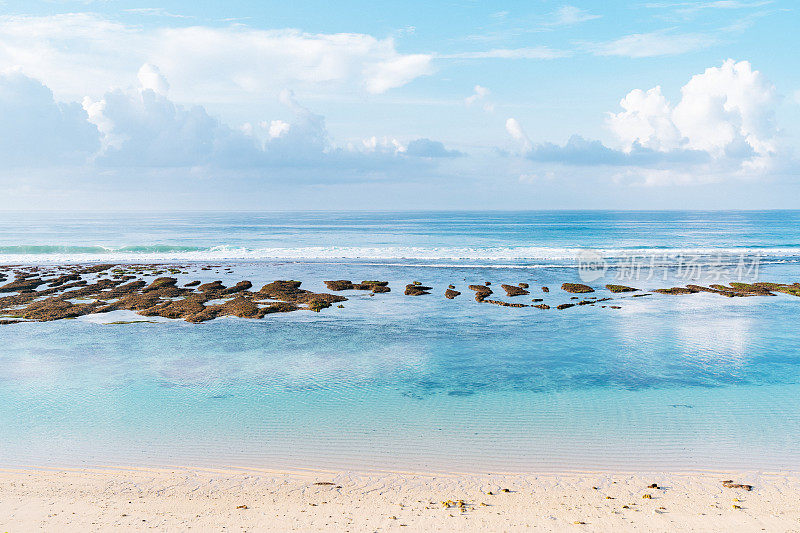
(206, 499)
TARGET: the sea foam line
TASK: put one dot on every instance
(455, 255)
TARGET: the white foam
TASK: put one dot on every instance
(388, 253)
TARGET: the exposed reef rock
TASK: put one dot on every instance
(161, 297)
(347, 285)
(239, 287)
(504, 304)
(339, 285)
(417, 289)
(675, 290)
(22, 285)
(481, 292)
(620, 288)
(214, 286)
(38, 293)
(576, 288)
(512, 290)
(545, 289)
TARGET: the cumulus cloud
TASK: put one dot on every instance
(35, 130)
(150, 77)
(726, 111)
(143, 128)
(77, 54)
(722, 126)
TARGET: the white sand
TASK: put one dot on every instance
(207, 500)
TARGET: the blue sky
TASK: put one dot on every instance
(365, 105)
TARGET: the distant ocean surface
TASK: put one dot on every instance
(525, 238)
(422, 383)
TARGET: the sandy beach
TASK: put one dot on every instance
(106, 499)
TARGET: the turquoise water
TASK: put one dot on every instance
(425, 383)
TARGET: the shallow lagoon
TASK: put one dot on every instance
(424, 383)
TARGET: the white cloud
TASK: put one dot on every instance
(514, 128)
(150, 77)
(725, 107)
(480, 95)
(35, 130)
(277, 128)
(646, 120)
(569, 15)
(396, 72)
(537, 52)
(727, 111)
(142, 128)
(659, 43)
(83, 53)
(722, 127)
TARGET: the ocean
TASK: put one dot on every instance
(424, 383)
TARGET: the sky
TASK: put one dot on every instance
(244, 105)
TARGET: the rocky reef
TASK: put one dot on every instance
(620, 288)
(576, 288)
(70, 296)
(416, 288)
(347, 285)
(46, 293)
(512, 290)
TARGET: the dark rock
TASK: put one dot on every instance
(289, 291)
(374, 286)
(194, 283)
(186, 308)
(280, 307)
(450, 294)
(54, 309)
(564, 306)
(676, 290)
(537, 300)
(542, 306)
(576, 288)
(481, 292)
(239, 287)
(524, 285)
(620, 288)
(160, 283)
(22, 285)
(60, 280)
(214, 286)
(729, 484)
(504, 304)
(416, 290)
(339, 285)
(545, 289)
(512, 290)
